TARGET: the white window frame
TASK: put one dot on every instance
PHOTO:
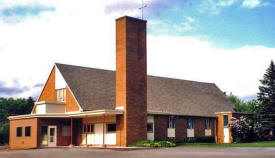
(152, 131)
(171, 122)
(193, 124)
(207, 123)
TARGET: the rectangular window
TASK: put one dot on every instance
(225, 120)
(207, 123)
(19, 132)
(150, 127)
(90, 128)
(66, 131)
(60, 94)
(27, 131)
(111, 127)
(44, 134)
(190, 123)
(171, 122)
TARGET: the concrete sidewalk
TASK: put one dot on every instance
(145, 153)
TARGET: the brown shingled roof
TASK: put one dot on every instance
(94, 89)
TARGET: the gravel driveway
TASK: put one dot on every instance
(178, 152)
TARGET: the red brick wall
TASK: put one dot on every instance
(213, 127)
(181, 128)
(131, 79)
(160, 125)
(199, 127)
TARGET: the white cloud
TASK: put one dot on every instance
(189, 19)
(226, 3)
(236, 70)
(83, 34)
(214, 7)
(185, 27)
(188, 24)
(251, 3)
(169, 27)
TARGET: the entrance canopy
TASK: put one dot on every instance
(62, 129)
(68, 115)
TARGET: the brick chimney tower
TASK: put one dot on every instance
(131, 80)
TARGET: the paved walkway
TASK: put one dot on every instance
(178, 152)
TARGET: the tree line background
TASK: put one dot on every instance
(10, 107)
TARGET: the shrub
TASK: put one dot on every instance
(198, 139)
(155, 144)
(242, 130)
(205, 139)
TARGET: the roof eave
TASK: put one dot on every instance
(167, 113)
(68, 115)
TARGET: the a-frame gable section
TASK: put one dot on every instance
(48, 92)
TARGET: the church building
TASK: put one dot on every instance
(82, 106)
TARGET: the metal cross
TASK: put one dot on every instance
(142, 8)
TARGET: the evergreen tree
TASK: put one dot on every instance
(266, 96)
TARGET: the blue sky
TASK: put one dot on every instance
(231, 25)
(25, 10)
(226, 42)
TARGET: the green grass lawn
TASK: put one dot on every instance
(254, 144)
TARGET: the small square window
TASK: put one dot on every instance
(27, 131)
(150, 127)
(111, 127)
(19, 132)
